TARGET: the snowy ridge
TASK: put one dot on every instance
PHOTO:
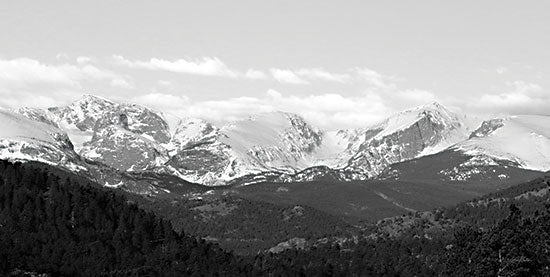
(274, 141)
(403, 136)
(275, 146)
(23, 139)
(523, 139)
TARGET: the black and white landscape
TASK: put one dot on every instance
(298, 160)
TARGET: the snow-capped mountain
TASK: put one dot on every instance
(403, 136)
(279, 146)
(24, 139)
(123, 136)
(81, 114)
(274, 141)
(253, 148)
(501, 150)
(523, 140)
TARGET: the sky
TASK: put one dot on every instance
(339, 64)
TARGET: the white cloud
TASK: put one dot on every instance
(304, 75)
(327, 111)
(121, 83)
(24, 98)
(255, 74)
(25, 80)
(520, 97)
(207, 66)
(414, 96)
(501, 70)
(22, 71)
(375, 79)
(524, 87)
(162, 101)
(170, 85)
(62, 56)
(287, 76)
(321, 74)
(83, 59)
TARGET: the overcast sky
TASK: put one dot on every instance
(337, 63)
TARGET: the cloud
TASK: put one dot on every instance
(255, 74)
(520, 97)
(501, 70)
(22, 71)
(121, 83)
(287, 76)
(83, 59)
(413, 96)
(305, 75)
(62, 56)
(23, 98)
(524, 87)
(321, 74)
(162, 101)
(24, 80)
(167, 84)
(213, 66)
(327, 111)
(207, 66)
(375, 79)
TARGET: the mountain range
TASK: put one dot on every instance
(94, 135)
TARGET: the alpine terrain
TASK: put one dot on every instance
(275, 146)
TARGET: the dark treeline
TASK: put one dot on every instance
(63, 225)
(66, 227)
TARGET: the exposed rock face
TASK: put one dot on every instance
(487, 127)
(265, 142)
(143, 121)
(123, 150)
(191, 131)
(312, 174)
(271, 146)
(376, 154)
(123, 136)
(293, 243)
(403, 137)
(205, 163)
(82, 113)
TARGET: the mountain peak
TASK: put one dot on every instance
(93, 98)
(433, 106)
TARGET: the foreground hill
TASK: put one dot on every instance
(56, 223)
(72, 227)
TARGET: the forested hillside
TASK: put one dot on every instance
(65, 226)
(59, 224)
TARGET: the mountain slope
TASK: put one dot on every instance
(65, 226)
(524, 140)
(407, 135)
(283, 147)
(265, 142)
(25, 139)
